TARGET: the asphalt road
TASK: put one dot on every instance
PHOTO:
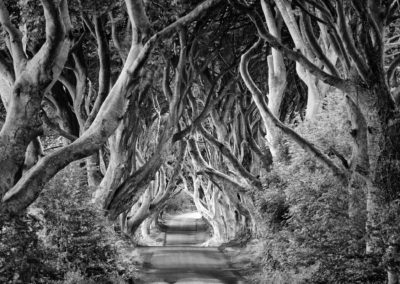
(181, 260)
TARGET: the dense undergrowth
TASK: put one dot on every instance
(63, 239)
(315, 227)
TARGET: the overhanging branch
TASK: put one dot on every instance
(268, 117)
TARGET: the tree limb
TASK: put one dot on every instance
(392, 68)
(31, 184)
(305, 20)
(342, 84)
(17, 51)
(57, 128)
(117, 42)
(231, 158)
(55, 35)
(205, 168)
(349, 44)
(6, 68)
(268, 117)
(104, 69)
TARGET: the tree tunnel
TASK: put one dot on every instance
(269, 119)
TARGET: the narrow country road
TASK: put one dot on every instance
(181, 261)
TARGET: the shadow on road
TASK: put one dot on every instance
(181, 259)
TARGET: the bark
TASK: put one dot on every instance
(104, 69)
(360, 50)
(94, 175)
(224, 149)
(105, 123)
(33, 78)
(56, 127)
(276, 86)
(118, 44)
(123, 159)
(145, 230)
(62, 114)
(269, 118)
(230, 187)
(382, 155)
(359, 160)
(313, 94)
(33, 153)
(157, 196)
(134, 221)
(130, 190)
(123, 223)
(219, 234)
(391, 258)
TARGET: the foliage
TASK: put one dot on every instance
(180, 203)
(23, 257)
(76, 230)
(309, 236)
(63, 239)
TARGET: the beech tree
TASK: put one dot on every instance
(201, 98)
(358, 31)
(109, 114)
(25, 81)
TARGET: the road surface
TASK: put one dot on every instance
(182, 260)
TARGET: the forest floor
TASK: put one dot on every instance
(182, 259)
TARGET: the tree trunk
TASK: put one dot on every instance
(107, 120)
(314, 96)
(33, 153)
(141, 214)
(93, 170)
(276, 87)
(383, 154)
(33, 78)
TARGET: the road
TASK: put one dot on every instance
(182, 260)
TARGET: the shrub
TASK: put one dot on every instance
(309, 236)
(63, 239)
(23, 257)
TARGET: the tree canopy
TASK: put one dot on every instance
(279, 119)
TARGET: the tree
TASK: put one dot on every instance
(365, 85)
(28, 187)
(26, 80)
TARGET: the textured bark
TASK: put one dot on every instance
(246, 176)
(134, 221)
(130, 190)
(359, 161)
(104, 69)
(230, 187)
(33, 153)
(382, 155)
(105, 123)
(93, 170)
(219, 234)
(122, 159)
(27, 189)
(276, 86)
(392, 259)
(361, 52)
(33, 78)
(157, 195)
(269, 118)
(313, 94)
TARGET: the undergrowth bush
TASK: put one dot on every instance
(64, 239)
(23, 257)
(308, 234)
